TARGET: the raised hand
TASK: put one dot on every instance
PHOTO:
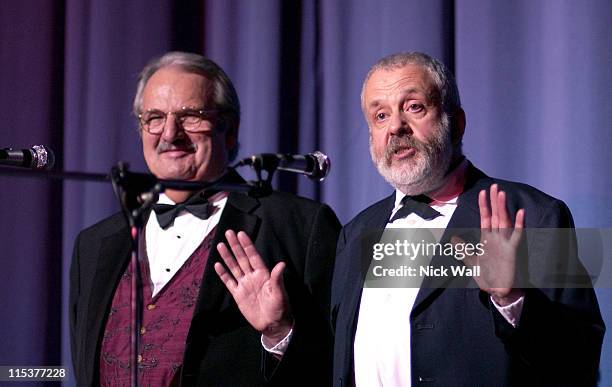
(259, 293)
(501, 239)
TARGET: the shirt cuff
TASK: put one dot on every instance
(281, 347)
(511, 312)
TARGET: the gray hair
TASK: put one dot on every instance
(223, 92)
(443, 79)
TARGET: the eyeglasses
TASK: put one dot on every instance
(190, 119)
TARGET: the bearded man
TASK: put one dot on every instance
(496, 331)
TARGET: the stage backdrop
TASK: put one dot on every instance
(534, 76)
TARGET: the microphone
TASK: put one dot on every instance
(315, 165)
(37, 157)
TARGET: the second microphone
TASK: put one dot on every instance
(315, 165)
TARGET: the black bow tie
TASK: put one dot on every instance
(197, 205)
(419, 205)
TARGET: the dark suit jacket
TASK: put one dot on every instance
(457, 337)
(222, 349)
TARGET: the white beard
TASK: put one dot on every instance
(425, 171)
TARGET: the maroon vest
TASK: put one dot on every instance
(165, 323)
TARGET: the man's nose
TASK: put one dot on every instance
(398, 124)
(172, 128)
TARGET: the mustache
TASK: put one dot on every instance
(179, 144)
(402, 141)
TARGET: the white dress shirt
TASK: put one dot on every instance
(169, 249)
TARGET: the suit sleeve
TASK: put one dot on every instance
(560, 332)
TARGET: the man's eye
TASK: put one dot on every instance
(155, 119)
(381, 116)
(415, 108)
(191, 117)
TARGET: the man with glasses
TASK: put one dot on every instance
(259, 318)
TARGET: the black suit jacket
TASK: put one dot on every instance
(222, 349)
(457, 337)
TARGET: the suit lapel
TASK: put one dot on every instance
(113, 258)
(375, 226)
(236, 216)
(466, 216)
(213, 296)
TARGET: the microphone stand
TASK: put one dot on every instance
(137, 192)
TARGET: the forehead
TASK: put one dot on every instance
(409, 79)
(175, 87)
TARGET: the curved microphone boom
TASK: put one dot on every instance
(315, 165)
(37, 157)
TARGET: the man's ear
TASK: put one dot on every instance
(458, 126)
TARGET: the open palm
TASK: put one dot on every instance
(501, 238)
(259, 293)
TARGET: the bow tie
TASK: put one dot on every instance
(419, 205)
(197, 205)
